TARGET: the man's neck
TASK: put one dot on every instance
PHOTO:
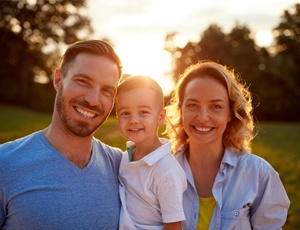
(76, 149)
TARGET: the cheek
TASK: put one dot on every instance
(107, 102)
(72, 89)
(221, 119)
(186, 120)
(187, 116)
(120, 124)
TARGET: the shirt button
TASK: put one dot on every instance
(236, 213)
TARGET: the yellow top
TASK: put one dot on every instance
(206, 210)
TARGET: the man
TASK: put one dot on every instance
(62, 177)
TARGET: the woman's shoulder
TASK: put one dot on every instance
(254, 162)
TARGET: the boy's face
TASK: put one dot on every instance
(139, 113)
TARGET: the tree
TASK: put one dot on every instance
(211, 46)
(27, 28)
(236, 49)
(284, 66)
(274, 78)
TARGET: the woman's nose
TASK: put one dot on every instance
(203, 114)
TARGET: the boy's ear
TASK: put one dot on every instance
(162, 116)
(57, 79)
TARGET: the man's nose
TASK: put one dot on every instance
(93, 96)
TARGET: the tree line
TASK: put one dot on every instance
(28, 31)
(272, 74)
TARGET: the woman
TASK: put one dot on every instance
(211, 129)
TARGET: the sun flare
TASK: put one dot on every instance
(147, 61)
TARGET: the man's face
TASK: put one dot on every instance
(85, 94)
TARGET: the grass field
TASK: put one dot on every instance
(278, 143)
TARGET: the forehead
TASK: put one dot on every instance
(136, 96)
(204, 86)
(96, 67)
(138, 92)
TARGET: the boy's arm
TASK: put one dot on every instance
(173, 226)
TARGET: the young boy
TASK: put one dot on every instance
(151, 180)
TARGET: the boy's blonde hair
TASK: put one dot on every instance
(141, 82)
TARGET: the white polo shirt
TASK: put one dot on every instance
(151, 189)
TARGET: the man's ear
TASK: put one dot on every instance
(162, 116)
(57, 80)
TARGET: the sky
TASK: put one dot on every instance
(137, 28)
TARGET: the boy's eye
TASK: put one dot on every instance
(124, 114)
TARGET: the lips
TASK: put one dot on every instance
(202, 129)
(85, 113)
(135, 130)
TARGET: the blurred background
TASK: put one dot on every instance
(260, 39)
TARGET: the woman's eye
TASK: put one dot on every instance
(216, 107)
(192, 105)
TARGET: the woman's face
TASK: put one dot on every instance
(205, 111)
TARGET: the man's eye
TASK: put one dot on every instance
(108, 92)
(82, 82)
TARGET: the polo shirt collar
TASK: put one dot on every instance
(155, 155)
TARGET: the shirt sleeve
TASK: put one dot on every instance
(269, 210)
(2, 213)
(170, 190)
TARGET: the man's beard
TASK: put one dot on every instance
(78, 128)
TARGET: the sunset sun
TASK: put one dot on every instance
(147, 60)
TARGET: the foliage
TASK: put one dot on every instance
(17, 122)
(27, 30)
(284, 66)
(272, 77)
(278, 143)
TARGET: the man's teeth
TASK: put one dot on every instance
(203, 129)
(85, 113)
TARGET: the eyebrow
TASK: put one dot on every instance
(140, 107)
(113, 88)
(218, 100)
(214, 100)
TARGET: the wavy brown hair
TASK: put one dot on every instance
(239, 132)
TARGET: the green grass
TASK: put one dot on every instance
(16, 122)
(278, 143)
